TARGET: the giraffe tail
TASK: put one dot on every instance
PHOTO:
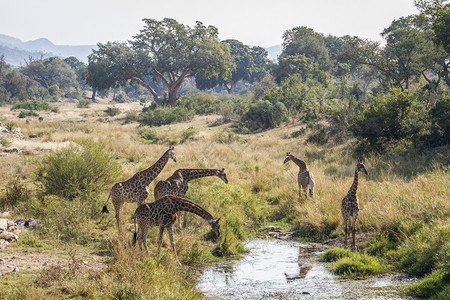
(105, 209)
(135, 231)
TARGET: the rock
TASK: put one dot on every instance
(10, 149)
(9, 236)
(3, 224)
(4, 244)
(32, 136)
(5, 214)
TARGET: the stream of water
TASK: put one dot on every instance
(276, 269)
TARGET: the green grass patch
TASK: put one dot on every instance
(436, 285)
(358, 266)
(334, 254)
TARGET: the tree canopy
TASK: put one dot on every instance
(163, 50)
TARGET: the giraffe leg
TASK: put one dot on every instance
(346, 231)
(117, 207)
(160, 236)
(355, 217)
(169, 229)
(311, 187)
(178, 216)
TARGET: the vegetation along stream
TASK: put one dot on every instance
(279, 269)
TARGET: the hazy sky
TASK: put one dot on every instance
(253, 22)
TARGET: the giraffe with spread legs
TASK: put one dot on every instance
(305, 176)
(350, 205)
(178, 183)
(135, 189)
(162, 213)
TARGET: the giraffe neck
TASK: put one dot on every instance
(189, 174)
(186, 205)
(354, 187)
(149, 174)
(300, 163)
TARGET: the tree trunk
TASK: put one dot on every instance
(149, 88)
(94, 92)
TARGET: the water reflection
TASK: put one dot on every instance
(277, 269)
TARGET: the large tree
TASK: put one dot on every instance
(251, 65)
(304, 52)
(175, 51)
(51, 71)
(163, 50)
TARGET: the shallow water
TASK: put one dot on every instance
(276, 269)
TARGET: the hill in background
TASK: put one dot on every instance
(17, 52)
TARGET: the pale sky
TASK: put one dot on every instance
(253, 22)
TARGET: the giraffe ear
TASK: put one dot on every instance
(217, 221)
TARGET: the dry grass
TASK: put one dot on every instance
(258, 180)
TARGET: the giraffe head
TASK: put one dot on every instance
(288, 157)
(172, 154)
(221, 174)
(215, 226)
(361, 167)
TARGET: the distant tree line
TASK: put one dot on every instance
(382, 94)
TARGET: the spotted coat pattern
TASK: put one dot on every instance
(135, 189)
(162, 213)
(350, 205)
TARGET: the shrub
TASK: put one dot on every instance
(84, 103)
(188, 134)
(30, 113)
(15, 192)
(298, 133)
(319, 137)
(200, 103)
(392, 118)
(83, 169)
(112, 111)
(164, 115)
(264, 115)
(148, 134)
(32, 105)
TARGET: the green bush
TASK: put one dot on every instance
(320, 136)
(32, 105)
(30, 113)
(164, 115)
(188, 134)
(148, 134)
(15, 192)
(391, 118)
(264, 115)
(440, 123)
(84, 169)
(112, 111)
(200, 103)
(84, 103)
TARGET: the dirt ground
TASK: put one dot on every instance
(15, 262)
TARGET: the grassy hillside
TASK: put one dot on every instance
(403, 195)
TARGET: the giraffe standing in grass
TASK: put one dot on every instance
(135, 189)
(350, 206)
(162, 213)
(305, 176)
(178, 183)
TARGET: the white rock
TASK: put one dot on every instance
(3, 224)
(9, 236)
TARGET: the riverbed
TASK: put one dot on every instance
(280, 269)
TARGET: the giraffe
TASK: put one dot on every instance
(350, 206)
(135, 189)
(177, 184)
(305, 176)
(162, 213)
